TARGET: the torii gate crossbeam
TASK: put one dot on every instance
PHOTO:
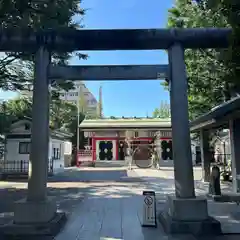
(69, 40)
(109, 72)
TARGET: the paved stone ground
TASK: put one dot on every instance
(112, 209)
(67, 188)
(162, 182)
(102, 203)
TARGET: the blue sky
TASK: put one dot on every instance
(125, 98)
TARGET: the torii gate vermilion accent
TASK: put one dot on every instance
(183, 208)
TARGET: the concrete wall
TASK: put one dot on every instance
(12, 150)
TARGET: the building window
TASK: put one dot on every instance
(56, 153)
(151, 134)
(24, 147)
(27, 126)
(136, 134)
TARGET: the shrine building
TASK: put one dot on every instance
(106, 137)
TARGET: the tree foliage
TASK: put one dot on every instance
(16, 68)
(164, 111)
(213, 74)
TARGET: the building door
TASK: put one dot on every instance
(121, 150)
(105, 150)
(166, 147)
(198, 155)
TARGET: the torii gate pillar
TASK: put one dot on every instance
(186, 213)
(37, 215)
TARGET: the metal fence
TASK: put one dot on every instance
(21, 167)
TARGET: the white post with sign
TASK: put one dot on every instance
(149, 209)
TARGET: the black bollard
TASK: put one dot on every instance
(214, 185)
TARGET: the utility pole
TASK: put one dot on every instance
(100, 103)
(78, 117)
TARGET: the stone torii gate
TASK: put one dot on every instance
(185, 209)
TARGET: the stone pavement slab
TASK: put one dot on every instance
(111, 210)
(162, 182)
(106, 203)
(111, 218)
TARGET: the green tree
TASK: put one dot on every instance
(12, 110)
(71, 126)
(61, 113)
(19, 107)
(164, 111)
(212, 73)
(16, 68)
(5, 120)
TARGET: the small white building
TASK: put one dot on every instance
(18, 144)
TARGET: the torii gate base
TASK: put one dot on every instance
(188, 217)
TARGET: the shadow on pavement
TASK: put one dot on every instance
(70, 188)
(66, 188)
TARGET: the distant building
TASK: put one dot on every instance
(73, 96)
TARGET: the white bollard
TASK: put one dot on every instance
(149, 209)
